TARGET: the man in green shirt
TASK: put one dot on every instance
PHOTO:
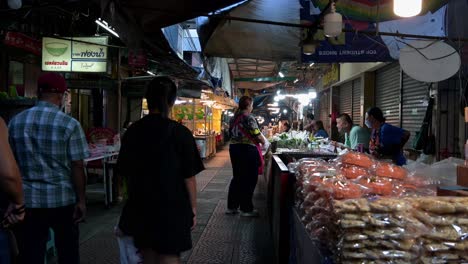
(354, 134)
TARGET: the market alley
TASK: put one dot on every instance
(218, 238)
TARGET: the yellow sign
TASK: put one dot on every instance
(63, 55)
(331, 76)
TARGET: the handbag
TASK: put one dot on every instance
(257, 145)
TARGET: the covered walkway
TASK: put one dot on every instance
(218, 238)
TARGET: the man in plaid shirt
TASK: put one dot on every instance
(50, 147)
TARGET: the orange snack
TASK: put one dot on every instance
(353, 172)
(343, 189)
(385, 169)
(379, 186)
(358, 159)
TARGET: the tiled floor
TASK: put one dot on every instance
(217, 239)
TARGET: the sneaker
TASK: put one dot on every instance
(231, 211)
(253, 213)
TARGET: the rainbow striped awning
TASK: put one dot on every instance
(374, 10)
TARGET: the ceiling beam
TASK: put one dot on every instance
(265, 79)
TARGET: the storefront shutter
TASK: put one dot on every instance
(414, 105)
(357, 101)
(346, 98)
(387, 92)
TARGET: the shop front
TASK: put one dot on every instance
(204, 117)
(20, 60)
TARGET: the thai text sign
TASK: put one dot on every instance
(23, 42)
(64, 55)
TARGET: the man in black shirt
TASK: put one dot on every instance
(159, 158)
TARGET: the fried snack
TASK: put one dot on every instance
(377, 220)
(388, 170)
(352, 224)
(377, 185)
(405, 245)
(437, 206)
(431, 260)
(358, 159)
(436, 247)
(396, 254)
(389, 205)
(351, 206)
(447, 256)
(353, 255)
(354, 245)
(447, 233)
(391, 233)
(355, 237)
(351, 217)
(441, 220)
(343, 189)
(353, 172)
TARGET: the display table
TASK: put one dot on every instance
(303, 249)
(280, 197)
(108, 162)
(206, 145)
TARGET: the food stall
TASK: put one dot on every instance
(287, 148)
(204, 118)
(221, 106)
(354, 209)
(197, 115)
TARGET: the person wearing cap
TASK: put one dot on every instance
(50, 147)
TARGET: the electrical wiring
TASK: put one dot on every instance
(422, 54)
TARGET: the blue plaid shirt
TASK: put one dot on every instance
(45, 141)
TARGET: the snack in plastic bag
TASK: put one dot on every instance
(343, 189)
(385, 169)
(353, 172)
(358, 159)
(377, 185)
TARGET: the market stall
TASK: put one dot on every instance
(197, 116)
(355, 209)
(286, 148)
(204, 118)
(328, 205)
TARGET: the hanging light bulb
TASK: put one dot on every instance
(407, 8)
(309, 45)
(309, 48)
(333, 23)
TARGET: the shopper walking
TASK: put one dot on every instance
(159, 159)
(50, 147)
(386, 141)
(245, 159)
(11, 195)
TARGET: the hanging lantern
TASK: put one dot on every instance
(332, 23)
(407, 8)
(308, 48)
(309, 45)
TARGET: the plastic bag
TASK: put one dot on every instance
(389, 170)
(441, 173)
(129, 254)
(358, 159)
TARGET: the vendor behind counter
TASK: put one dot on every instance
(386, 141)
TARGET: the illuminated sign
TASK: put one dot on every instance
(64, 55)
